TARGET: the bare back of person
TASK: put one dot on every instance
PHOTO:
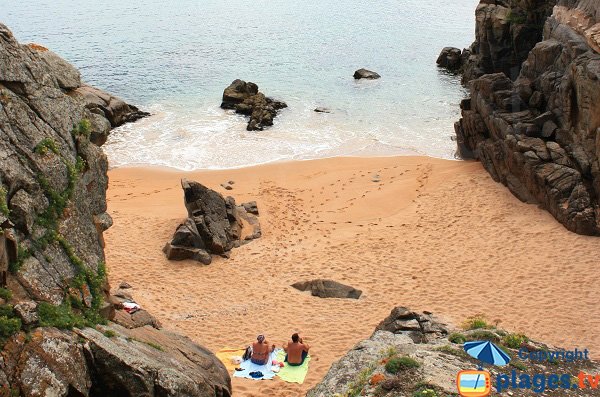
(260, 351)
(294, 351)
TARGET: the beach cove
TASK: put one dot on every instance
(429, 234)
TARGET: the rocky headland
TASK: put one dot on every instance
(56, 305)
(532, 118)
(415, 354)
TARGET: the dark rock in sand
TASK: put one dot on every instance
(180, 253)
(322, 110)
(214, 225)
(328, 289)
(365, 74)
(245, 99)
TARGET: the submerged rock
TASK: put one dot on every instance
(214, 225)
(245, 99)
(366, 74)
(328, 289)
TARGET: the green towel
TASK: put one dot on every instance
(291, 373)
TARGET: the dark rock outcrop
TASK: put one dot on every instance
(107, 111)
(362, 371)
(245, 99)
(421, 327)
(366, 74)
(450, 58)
(214, 225)
(505, 32)
(53, 182)
(540, 135)
(328, 289)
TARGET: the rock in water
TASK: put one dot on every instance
(214, 225)
(328, 289)
(53, 182)
(539, 134)
(365, 74)
(245, 99)
(450, 58)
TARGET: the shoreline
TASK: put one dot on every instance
(429, 234)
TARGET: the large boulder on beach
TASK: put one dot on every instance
(328, 289)
(244, 98)
(214, 225)
(366, 74)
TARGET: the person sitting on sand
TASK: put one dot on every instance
(296, 351)
(261, 351)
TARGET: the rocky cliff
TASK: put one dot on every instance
(538, 131)
(55, 304)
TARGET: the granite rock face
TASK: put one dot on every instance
(540, 134)
(215, 225)
(506, 30)
(53, 183)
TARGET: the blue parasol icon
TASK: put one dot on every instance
(487, 352)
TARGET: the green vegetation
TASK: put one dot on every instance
(61, 317)
(3, 201)
(390, 352)
(514, 341)
(482, 334)
(451, 350)
(457, 338)
(518, 365)
(83, 128)
(5, 294)
(9, 324)
(516, 18)
(73, 312)
(425, 393)
(362, 379)
(7, 311)
(22, 254)
(45, 146)
(478, 321)
(155, 345)
(397, 364)
(109, 333)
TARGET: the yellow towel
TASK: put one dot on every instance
(225, 355)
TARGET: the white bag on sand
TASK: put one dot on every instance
(236, 360)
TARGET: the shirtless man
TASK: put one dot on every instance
(261, 351)
(296, 351)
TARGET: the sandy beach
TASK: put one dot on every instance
(429, 234)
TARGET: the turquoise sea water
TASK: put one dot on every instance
(175, 58)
